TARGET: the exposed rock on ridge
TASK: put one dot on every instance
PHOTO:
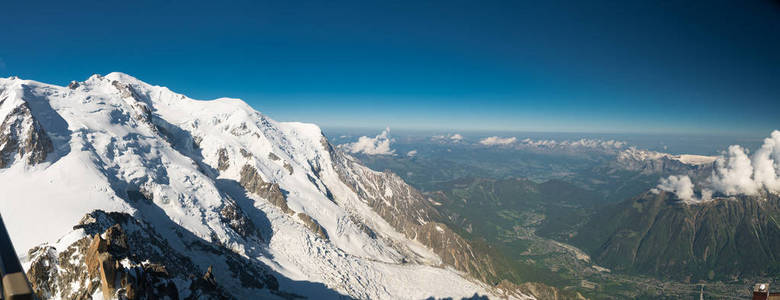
(406, 209)
(20, 134)
(254, 183)
(127, 260)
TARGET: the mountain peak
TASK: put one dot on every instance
(217, 180)
(123, 78)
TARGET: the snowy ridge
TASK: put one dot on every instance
(180, 165)
(581, 143)
(648, 161)
(689, 159)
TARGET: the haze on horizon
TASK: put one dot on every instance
(705, 67)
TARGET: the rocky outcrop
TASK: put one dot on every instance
(42, 278)
(288, 167)
(127, 259)
(254, 183)
(63, 274)
(223, 161)
(205, 287)
(141, 110)
(126, 280)
(22, 136)
(232, 215)
(273, 156)
(244, 153)
(240, 130)
(313, 226)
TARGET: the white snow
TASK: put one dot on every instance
(688, 159)
(104, 147)
(692, 159)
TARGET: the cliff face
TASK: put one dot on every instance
(656, 234)
(412, 214)
(21, 135)
(118, 255)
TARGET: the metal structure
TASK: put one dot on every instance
(761, 292)
(14, 283)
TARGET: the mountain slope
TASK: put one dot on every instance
(656, 234)
(215, 182)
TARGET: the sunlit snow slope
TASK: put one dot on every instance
(206, 183)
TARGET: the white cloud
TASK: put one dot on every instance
(736, 173)
(411, 153)
(494, 140)
(766, 163)
(379, 145)
(733, 173)
(680, 185)
(456, 137)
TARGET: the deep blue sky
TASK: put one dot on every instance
(586, 66)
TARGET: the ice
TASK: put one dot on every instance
(115, 134)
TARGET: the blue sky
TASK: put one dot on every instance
(708, 67)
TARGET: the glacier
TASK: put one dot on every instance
(214, 184)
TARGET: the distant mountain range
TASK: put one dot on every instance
(662, 163)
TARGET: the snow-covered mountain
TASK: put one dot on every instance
(652, 162)
(115, 186)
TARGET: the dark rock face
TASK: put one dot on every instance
(43, 279)
(141, 111)
(223, 161)
(205, 287)
(288, 167)
(313, 226)
(245, 153)
(127, 259)
(253, 183)
(238, 221)
(22, 135)
(273, 156)
(656, 234)
(240, 130)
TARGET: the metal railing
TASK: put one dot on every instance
(14, 283)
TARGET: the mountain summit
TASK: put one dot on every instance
(113, 186)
